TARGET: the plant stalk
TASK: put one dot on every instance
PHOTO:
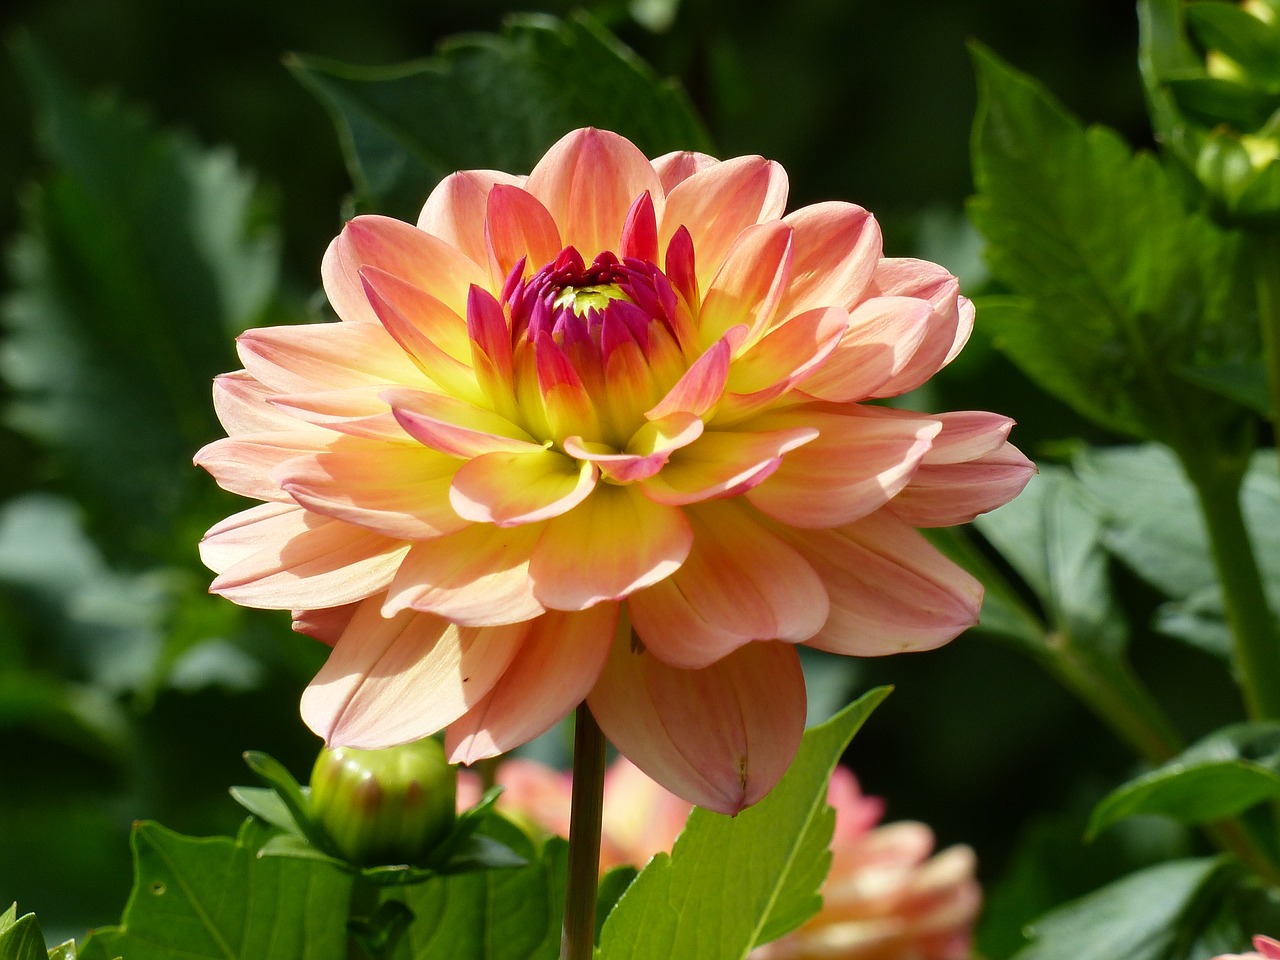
(1253, 628)
(578, 939)
(1266, 271)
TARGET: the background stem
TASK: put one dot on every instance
(578, 939)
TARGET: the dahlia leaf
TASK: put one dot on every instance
(140, 253)
(766, 865)
(215, 898)
(511, 914)
(1052, 537)
(1153, 914)
(1153, 525)
(492, 101)
(1118, 288)
(1222, 775)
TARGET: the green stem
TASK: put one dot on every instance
(578, 940)
(1253, 628)
(1266, 271)
(1118, 697)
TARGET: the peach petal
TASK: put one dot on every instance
(428, 332)
(945, 494)
(891, 591)
(324, 356)
(392, 680)
(859, 461)
(720, 201)
(455, 210)
(476, 577)
(749, 284)
(722, 464)
(588, 181)
(702, 385)
(783, 357)
(243, 464)
(242, 405)
(298, 559)
(555, 668)
(837, 247)
(454, 426)
(402, 250)
(399, 490)
(967, 435)
(511, 488)
(884, 336)
(325, 625)
(948, 327)
(614, 543)
(648, 451)
(358, 411)
(517, 227)
(740, 583)
(720, 737)
(673, 168)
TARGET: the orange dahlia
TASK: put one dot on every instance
(601, 433)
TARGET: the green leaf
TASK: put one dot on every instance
(1239, 35)
(1222, 775)
(492, 101)
(1244, 381)
(1117, 285)
(612, 886)
(20, 937)
(1145, 916)
(494, 915)
(1212, 100)
(214, 898)
(1052, 537)
(140, 256)
(1154, 523)
(768, 864)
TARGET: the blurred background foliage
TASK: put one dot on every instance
(126, 692)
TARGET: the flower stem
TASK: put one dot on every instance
(578, 939)
(1253, 628)
(1266, 271)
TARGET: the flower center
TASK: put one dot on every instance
(611, 325)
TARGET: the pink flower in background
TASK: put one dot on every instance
(600, 433)
(1265, 947)
(886, 897)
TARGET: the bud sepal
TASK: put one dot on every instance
(284, 804)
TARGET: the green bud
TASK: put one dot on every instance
(385, 806)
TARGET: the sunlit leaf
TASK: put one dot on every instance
(1117, 287)
(215, 898)
(492, 101)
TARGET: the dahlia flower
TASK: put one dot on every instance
(1265, 947)
(600, 433)
(886, 897)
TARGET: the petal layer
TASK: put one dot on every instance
(720, 737)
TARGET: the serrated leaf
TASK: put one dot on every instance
(215, 898)
(494, 102)
(768, 865)
(1117, 285)
(494, 915)
(1222, 775)
(1154, 524)
(1142, 917)
(20, 937)
(612, 886)
(141, 254)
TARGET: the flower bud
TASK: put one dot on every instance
(384, 806)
